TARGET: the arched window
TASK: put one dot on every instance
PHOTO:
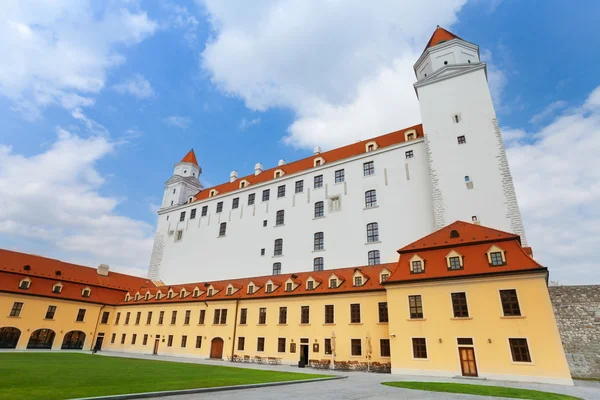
(223, 229)
(57, 288)
(278, 249)
(86, 292)
(41, 339)
(9, 337)
(73, 340)
(276, 268)
(374, 257)
(24, 284)
(319, 241)
(373, 232)
(318, 264)
(467, 179)
(370, 198)
(319, 209)
(280, 219)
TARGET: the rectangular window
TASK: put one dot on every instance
(179, 235)
(369, 168)
(182, 216)
(384, 277)
(372, 232)
(281, 345)
(299, 186)
(319, 209)
(223, 229)
(510, 303)
(105, 316)
(80, 315)
(198, 342)
(113, 338)
(355, 313)
(204, 211)
(374, 258)
(183, 341)
(416, 306)
(282, 315)
(127, 316)
(519, 350)
(235, 203)
(118, 318)
(305, 315)
(241, 343)
(332, 283)
(251, 198)
(339, 176)
(281, 191)
(370, 198)
(461, 139)
(327, 346)
(202, 316)
(356, 346)
(409, 154)
(383, 312)
(173, 317)
(123, 336)
(262, 316)
(269, 288)
(161, 317)
(319, 241)
(219, 206)
(138, 317)
(318, 181)
(417, 267)
(288, 287)
(280, 217)
(243, 316)
(310, 285)
(224, 316)
(278, 248)
(276, 268)
(193, 214)
(496, 258)
(454, 263)
(170, 341)
(318, 264)
(260, 344)
(217, 316)
(329, 314)
(52, 310)
(266, 194)
(419, 348)
(149, 318)
(384, 347)
(133, 338)
(459, 305)
(188, 314)
(358, 281)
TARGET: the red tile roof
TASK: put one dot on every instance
(440, 35)
(304, 164)
(190, 157)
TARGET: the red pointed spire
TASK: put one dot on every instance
(190, 157)
(440, 35)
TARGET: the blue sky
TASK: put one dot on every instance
(99, 99)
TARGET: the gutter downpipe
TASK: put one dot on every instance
(237, 303)
(96, 328)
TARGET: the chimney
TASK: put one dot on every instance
(103, 269)
(258, 168)
(233, 176)
(317, 150)
(281, 162)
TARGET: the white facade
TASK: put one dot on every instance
(415, 196)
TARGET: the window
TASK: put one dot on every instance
(278, 248)
(80, 315)
(282, 315)
(183, 341)
(243, 316)
(281, 191)
(467, 179)
(370, 147)
(383, 312)
(127, 316)
(145, 340)
(260, 344)
(419, 348)
(310, 285)
(179, 235)
(318, 162)
(410, 136)
(220, 317)
(262, 252)
(262, 316)
(333, 283)
(188, 314)
(459, 305)
(329, 314)
(356, 346)
(289, 287)
(210, 292)
(118, 318)
(355, 313)
(138, 317)
(454, 263)
(461, 139)
(133, 338)
(149, 318)
(415, 306)
(219, 206)
(384, 347)
(339, 176)
(280, 218)
(276, 268)
(161, 317)
(269, 288)
(299, 186)
(373, 232)
(235, 203)
(374, 257)
(369, 168)
(266, 194)
(56, 288)
(170, 341)
(123, 336)
(456, 118)
(417, 267)
(105, 316)
(223, 229)
(510, 303)
(202, 316)
(173, 317)
(281, 345)
(384, 277)
(496, 258)
(319, 241)
(519, 350)
(251, 198)
(318, 181)
(204, 211)
(358, 281)
(318, 264)
(319, 209)
(24, 284)
(370, 198)
(305, 315)
(52, 310)
(193, 214)
(198, 342)
(327, 346)
(241, 343)
(409, 154)
(229, 291)
(113, 337)
(182, 216)
(250, 289)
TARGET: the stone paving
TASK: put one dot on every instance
(358, 385)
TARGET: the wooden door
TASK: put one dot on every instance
(216, 348)
(99, 341)
(467, 361)
(156, 342)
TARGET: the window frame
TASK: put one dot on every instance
(355, 314)
(222, 229)
(280, 218)
(369, 168)
(317, 181)
(16, 309)
(374, 257)
(299, 186)
(266, 195)
(251, 198)
(339, 176)
(329, 314)
(419, 348)
(509, 301)
(371, 198)
(304, 315)
(280, 191)
(318, 241)
(460, 305)
(319, 209)
(373, 232)
(282, 315)
(277, 268)
(318, 264)
(355, 344)
(235, 203)
(415, 308)
(383, 312)
(518, 349)
(278, 247)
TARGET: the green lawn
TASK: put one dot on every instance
(481, 390)
(69, 375)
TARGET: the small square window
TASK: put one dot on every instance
(461, 139)
(409, 154)
(339, 176)
(410, 136)
(264, 223)
(454, 263)
(496, 258)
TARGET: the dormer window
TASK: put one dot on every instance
(243, 183)
(147, 295)
(57, 288)
(127, 297)
(358, 281)
(310, 285)
(182, 293)
(86, 292)
(171, 294)
(250, 289)
(269, 288)
(371, 146)
(496, 256)
(333, 283)
(24, 284)
(288, 287)
(319, 161)
(210, 292)
(384, 277)
(454, 260)
(137, 296)
(229, 291)
(417, 267)
(454, 234)
(196, 293)
(278, 173)
(212, 193)
(410, 135)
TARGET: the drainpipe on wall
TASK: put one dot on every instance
(96, 328)
(237, 303)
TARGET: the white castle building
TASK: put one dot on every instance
(354, 205)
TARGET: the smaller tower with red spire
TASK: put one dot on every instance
(184, 183)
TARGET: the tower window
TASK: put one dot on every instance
(374, 258)
(281, 191)
(461, 139)
(280, 219)
(193, 214)
(223, 229)
(204, 211)
(318, 181)
(369, 168)
(179, 236)
(278, 248)
(235, 203)
(219, 206)
(277, 269)
(173, 191)
(319, 240)
(319, 209)
(409, 154)
(318, 264)
(182, 216)
(467, 179)
(339, 175)
(251, 197)
(264, 223)
(372, 232)
(370, 198)
(266, 195)
(262, 252)
(456, 118)
(299, 186)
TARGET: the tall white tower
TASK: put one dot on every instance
(184, 183)
(469, 173)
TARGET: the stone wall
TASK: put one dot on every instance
(577, 310)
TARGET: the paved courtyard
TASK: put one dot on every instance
(357, 385)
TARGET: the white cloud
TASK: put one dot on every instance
(557, 179)
(180, 18)
(548, 111)
(59, 52)
(178, 121)
(58, 203)
(137, 86)
(246, 123)
(344, 68)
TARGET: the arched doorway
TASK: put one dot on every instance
(73, 340)
(9, 337)
(216, 348)
(41, 339)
